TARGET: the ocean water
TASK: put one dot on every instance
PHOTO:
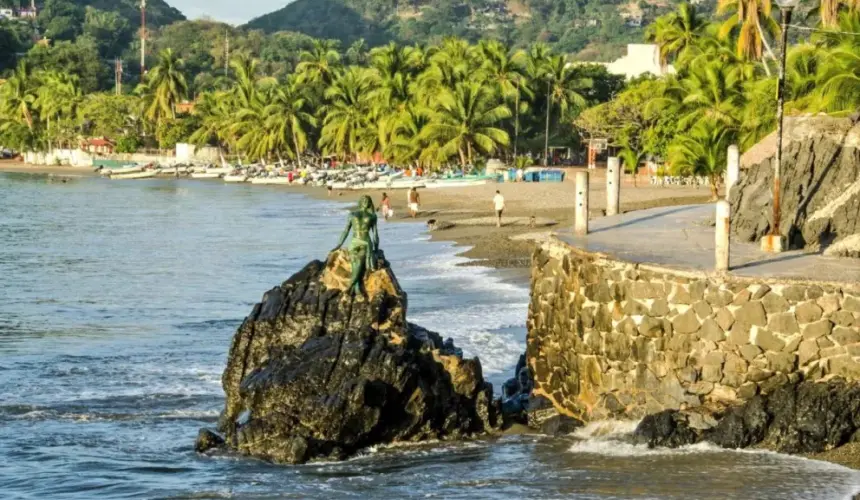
(118, 301)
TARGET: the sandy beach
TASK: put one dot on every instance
(467, 212)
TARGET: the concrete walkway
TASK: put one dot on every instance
(682, 237)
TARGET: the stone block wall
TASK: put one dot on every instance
(613, 339)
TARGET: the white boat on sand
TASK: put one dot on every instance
(146, 174)
(454, 183)
(271, 180)
(122, 171)
(207, 175)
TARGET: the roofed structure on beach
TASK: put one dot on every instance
(98, 145)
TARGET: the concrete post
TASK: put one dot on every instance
(613, 186)
(722, 236)
(733, 169)
(581, 219)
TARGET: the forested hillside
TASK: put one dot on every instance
(80, 37)
(594, 29)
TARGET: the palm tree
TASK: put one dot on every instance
(829, 10)
(165, 87)
(506, 71)
(406, 144)
(839, 66)
(320, 65)
(346, 113)
(19, 95)
(393, 72)
(58, 100)
(751, 21)
(463, 121)
(703, 151)
(215, 110)
(287, 119)
(564, 86)
(709, 91)
(678, 33)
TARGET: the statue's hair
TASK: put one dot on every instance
(372, 208)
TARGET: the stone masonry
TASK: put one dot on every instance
(613, 339)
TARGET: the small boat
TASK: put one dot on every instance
(236, 178)
(271, 180)
(122, 171)
(206, 175)
(453, 183)
(146, 174)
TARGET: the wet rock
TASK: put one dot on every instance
(800, 417)
(315, 372)
(669, 429)
(207, 440)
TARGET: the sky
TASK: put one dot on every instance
(229, 11)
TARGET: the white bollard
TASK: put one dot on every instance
(613, 186)
(733, 169)
(723, 248)
(581, 221)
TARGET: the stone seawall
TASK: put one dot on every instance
(610, 339)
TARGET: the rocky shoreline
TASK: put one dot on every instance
(315, 373)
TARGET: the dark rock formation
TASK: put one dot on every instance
(805, 417)
(820, 202)
(316, 373)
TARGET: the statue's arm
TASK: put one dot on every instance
(375, 229)
(345, 234)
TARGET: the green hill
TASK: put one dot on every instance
(593, 28)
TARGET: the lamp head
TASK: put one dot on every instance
(787, 4)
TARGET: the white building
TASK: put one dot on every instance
(7, 14)
(641, 58)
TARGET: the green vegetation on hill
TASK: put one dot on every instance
(596, 29)
(286, 95)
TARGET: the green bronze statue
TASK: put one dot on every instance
(363, 247)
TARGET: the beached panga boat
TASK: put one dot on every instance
(146, 174)
(452, 183)
(206, 175)
(122, 171)
(271, 180)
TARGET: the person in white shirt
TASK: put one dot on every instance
(499, 203)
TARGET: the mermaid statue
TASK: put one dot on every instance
(363, 248)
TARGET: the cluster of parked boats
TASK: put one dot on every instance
(358, 177)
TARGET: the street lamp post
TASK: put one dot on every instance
(774, 242)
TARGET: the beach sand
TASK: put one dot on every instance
(470, 210)
(16, 166)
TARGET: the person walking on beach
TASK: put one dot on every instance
(414, 201)
(386, 206)
(499, 204)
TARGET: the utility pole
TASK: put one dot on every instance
(118, 75)
(142, 38)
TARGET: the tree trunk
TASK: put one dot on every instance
(469, 152)
(462, 158)
(715, 192)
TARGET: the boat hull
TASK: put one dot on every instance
(138, 175)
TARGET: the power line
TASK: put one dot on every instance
(819, 30)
